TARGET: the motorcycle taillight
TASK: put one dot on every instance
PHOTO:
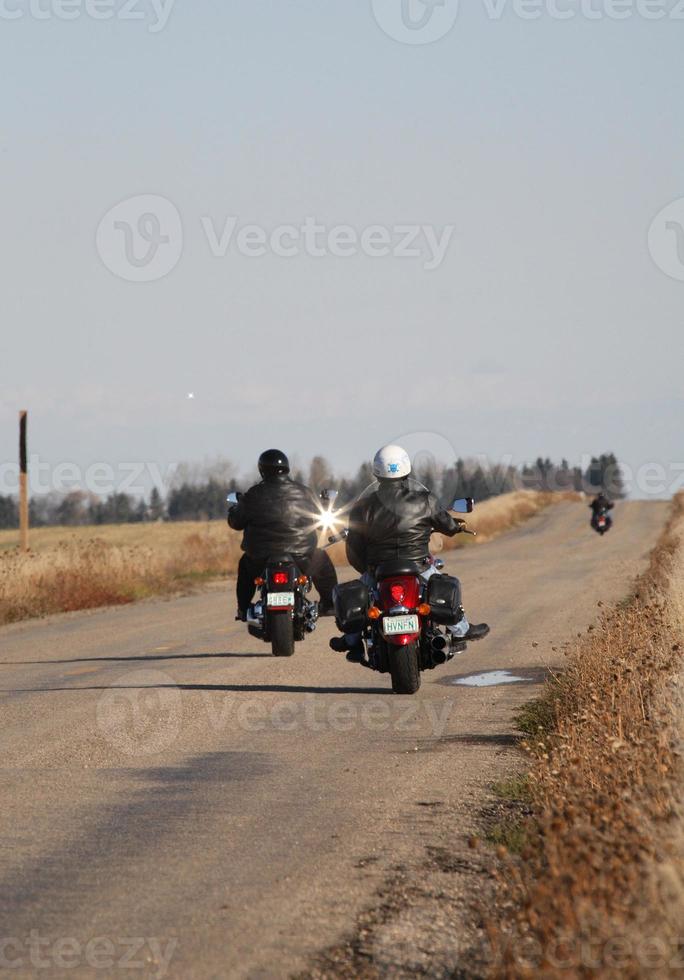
(397, 593)
(401, 590)
(280, 578)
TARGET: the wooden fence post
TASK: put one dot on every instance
(23, 484)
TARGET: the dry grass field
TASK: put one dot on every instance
(85, 567)
(162, 537)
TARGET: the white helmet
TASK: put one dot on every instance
(391, 463)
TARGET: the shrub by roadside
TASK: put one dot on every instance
(598, 889)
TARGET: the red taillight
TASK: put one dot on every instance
(280, 578)
(397, 593)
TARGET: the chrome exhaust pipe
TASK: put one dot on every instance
(438, 645)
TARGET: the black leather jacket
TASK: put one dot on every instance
(395, 519)
(601, 503)
(278, 517)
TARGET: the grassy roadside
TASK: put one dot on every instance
(91, 568)
(593, 885)
(87, 567)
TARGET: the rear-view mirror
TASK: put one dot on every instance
(232, 498)
(463, 505)
(329, 495)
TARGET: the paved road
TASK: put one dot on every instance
(173, 797)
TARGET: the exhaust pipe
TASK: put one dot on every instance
(438, 645)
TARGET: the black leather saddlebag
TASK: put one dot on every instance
(351, 605)
(444, 597)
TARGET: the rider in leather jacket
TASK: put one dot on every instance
(278, 516)
(394, 518)
(395, 521)
(601, 503)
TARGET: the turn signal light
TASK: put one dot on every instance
(302, 580)
(374, 613)
(424, 609)
(258, 580)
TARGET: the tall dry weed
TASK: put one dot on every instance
(586, 897)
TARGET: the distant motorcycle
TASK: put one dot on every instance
(400, 617)
(601, 521)
(283, 614)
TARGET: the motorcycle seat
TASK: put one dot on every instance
(397, 566)
(281, 560)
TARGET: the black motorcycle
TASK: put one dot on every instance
(601, 521)
(282, 614)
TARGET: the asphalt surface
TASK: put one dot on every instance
(176, 802)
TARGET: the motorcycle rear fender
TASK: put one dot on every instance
(401, 640)
(289, 569)
(409, 583)
(412, 589)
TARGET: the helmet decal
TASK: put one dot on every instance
(391, 463)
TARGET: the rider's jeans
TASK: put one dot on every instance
(458, 630)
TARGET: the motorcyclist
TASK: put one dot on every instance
(279, 516)
(394, 519)
(600, 505)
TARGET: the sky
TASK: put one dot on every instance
(497, 260)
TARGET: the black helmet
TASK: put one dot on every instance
(273, 463)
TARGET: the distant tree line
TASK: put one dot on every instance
(200, 493)
(79, 507)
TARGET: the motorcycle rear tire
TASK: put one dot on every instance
(281, 629)
(404, 669)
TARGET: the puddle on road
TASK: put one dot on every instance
(489, 679)
(493, 678)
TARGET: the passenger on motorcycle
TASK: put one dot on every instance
(394, 518)
(278, 517)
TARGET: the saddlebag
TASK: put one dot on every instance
(351, 606)
(444, 597)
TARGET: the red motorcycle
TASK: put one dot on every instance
(400, 616)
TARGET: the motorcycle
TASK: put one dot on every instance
(283, 614)
(400, 617)
(602, 522)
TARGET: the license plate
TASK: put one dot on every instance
(280, 599)
(392, 625)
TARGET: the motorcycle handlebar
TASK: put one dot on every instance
(466, 530)
(334, 538)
